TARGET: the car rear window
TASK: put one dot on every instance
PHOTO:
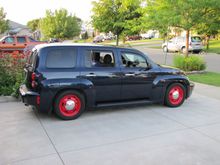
(196, 39)
(61, 58)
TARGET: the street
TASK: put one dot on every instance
(149, 134)
(158, 56)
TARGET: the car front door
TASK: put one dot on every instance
(172, 45)
(137, 76)
(8, 44)
(101, 69)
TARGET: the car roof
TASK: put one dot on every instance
(47, 45)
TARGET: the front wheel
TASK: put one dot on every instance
(175, 95)
(69, 105)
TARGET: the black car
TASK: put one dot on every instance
(70, 78)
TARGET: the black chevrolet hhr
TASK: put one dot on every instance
(70, 78)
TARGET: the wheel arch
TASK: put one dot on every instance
(69, 89)
(166, 82)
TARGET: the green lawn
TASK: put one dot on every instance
(214, 46)
(210, 78)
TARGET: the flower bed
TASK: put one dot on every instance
(11, 72)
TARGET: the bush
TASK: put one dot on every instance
(191, 63)
(11, 73)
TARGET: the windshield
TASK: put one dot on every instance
(196, 39)
(2, 39)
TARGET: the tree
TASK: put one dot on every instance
(33, 24)
(85, 35)
(184, 14)
(4, 26)
(117, 16)
(60, 24)
(211, 26)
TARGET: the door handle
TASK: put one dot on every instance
(91, 75)
(129, 74)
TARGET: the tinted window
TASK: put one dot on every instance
(9, 40)
(99, 59)
(131, 60)
(61, 58)
(196, 39)
(21, 39)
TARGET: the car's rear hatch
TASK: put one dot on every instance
(30, 71)
(196, 42)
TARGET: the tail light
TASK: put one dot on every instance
(33, 80)
(38, 100)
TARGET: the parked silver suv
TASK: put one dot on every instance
(177, 44)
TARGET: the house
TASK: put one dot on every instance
(17, 29)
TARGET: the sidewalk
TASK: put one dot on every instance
(4, 99)
(207, 90)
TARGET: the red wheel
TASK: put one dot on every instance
(175, 95)
(69, 105)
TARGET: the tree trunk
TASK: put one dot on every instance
(207, 42)
(187, 43)
(117, 39)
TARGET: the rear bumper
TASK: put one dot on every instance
(29, 97)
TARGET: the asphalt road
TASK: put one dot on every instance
(138, 135)
(157, 55)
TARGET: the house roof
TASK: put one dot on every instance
(14, 25)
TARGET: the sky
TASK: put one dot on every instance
(22, 11)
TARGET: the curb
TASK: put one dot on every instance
(5, 99)
(196, 72)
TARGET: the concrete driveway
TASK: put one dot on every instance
(139, 135)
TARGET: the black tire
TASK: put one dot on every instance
(169, 99)
(183, 49)
(70, 95)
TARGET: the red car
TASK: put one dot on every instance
(16, 43)
(136, 37)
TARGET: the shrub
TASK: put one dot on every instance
(11, 73)
(191, 63)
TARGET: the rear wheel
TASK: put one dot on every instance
(175, 95)
(69, 105)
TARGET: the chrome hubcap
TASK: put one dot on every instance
(70, 104)
(176, 95)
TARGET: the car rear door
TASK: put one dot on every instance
(21, 42)
(103, 74)
(137, 77)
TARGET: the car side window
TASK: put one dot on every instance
(61, 58)
(132, 60)
(9, 40)
(21, 39)
(99, 59)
